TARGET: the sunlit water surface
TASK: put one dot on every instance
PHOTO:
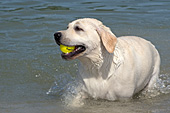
(34, 78)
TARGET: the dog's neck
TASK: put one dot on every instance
(97, 64)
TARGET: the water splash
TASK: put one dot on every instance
(72, 96)
(68, 89)
(60, 84)
(163, 84)
(161, 87)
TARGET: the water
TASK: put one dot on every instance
(32, 74)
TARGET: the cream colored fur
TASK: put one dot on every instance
(112, 67)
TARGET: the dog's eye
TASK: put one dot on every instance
(67, 27)
(77, 28)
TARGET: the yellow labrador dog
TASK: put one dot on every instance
(110, 67)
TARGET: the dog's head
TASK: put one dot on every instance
(86, 35)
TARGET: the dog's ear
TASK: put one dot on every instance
(109, 40)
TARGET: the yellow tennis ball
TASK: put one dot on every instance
(66, 49)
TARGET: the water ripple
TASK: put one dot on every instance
(53, 8)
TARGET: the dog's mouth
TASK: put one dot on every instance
(78, 50)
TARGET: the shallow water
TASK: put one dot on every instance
(32, 73)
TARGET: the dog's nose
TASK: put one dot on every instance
(57, 36)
